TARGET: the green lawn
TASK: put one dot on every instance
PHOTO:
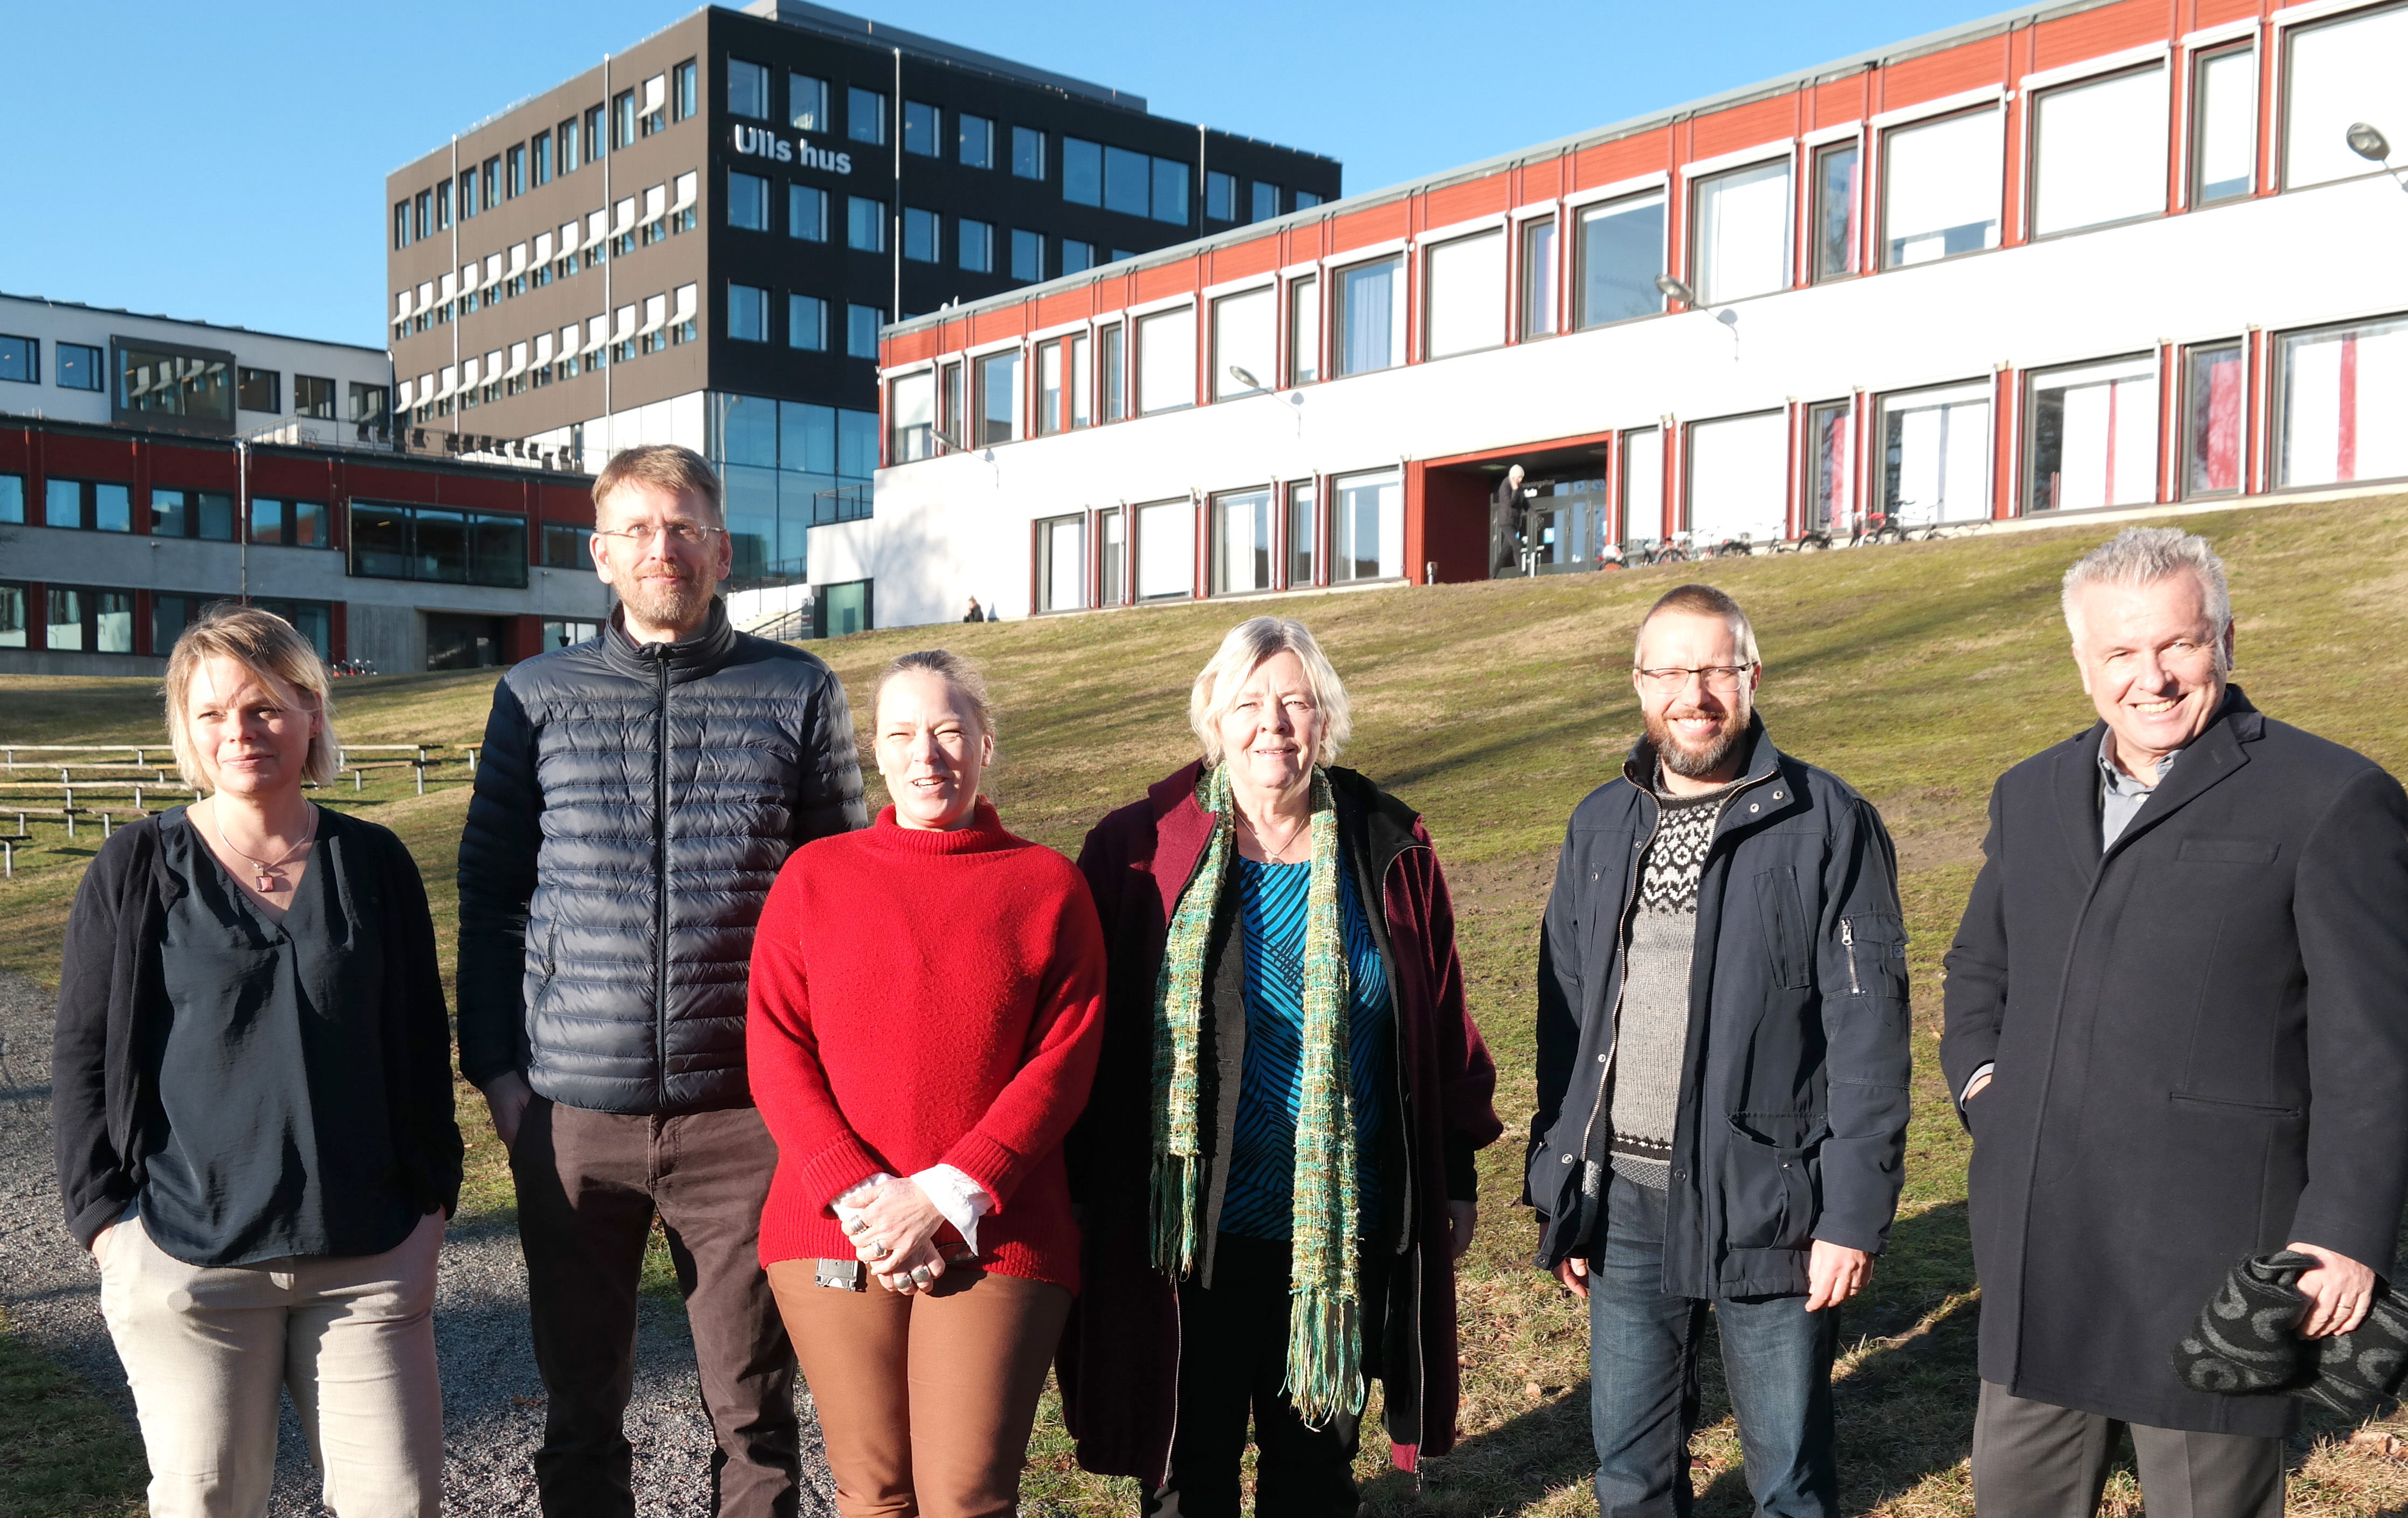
(1916, 672)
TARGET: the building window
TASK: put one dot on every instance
(974, 243)
(1244, 545)
(1368, 327)
(468, 207)
(1077, 257)
(623, 119)
(1830, 436)
(1835, 211)
(1048, 420)
(205, 514)
(1940, 194)
(162, 383)
(861, 326)
(2343, 390)
(1741, 246)
(593, 133)
(911, 405)
(1539, 276)
(400, 224)
(1165, 360)
(1027, 152)
(807, 212)
(12, 498)
(2213, 413)
(1062, 564)
(433, 543)
(20, 360)
(567, 546)
(2224, 126)
(807, 322)
(443, 205)
(748, 313)
(1170, 198)
(864, 112)
(2094, 436)
(1112, 370)
(1303, 527)
(1621, 254)
(974, 140)
(2342, 73)
(1266, 198)
(1028, 255)
(291, 522)
(2099, 153)
(96, 505)
(1303, 331)
(921, 240)
(999, 385)
(1738, 479)
(1083, 172)
(1936, 455)
(685, 90)
(748, 202)
(568, 155)
(540, 157)
(1641, 510)
(12, 616)
(656, 109)
(1244, 339)
(517, 158)
(1465, 296)
(920, 125)
(1220, 196)
(865, 224)
(1367, 528)
(314, 396)
(1128, 182)
(1306, 200)
(1111, 556)
(1165, 550)
(256, 390)
(492, 192)
(807, 104)
(423, 213)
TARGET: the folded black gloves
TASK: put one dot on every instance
(2246, 1342)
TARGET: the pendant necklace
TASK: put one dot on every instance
(1271, 855)
(266, 878)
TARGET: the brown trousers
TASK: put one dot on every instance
(926, 1402)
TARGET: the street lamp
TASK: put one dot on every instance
(1245, 376)
(2370, 145)
(1728, 316)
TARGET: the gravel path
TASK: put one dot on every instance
(492, 1396)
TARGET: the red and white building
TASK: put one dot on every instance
(2080, 256)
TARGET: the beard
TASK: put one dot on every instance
(1696, 762)
(672, 606)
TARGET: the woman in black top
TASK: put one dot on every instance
(254, 1103)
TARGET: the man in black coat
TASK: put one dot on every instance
(2177, 1028)
(1505, 517)
(1723, 1058)
(637, 796)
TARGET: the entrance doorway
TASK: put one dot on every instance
(1559, 520)
(457, 642)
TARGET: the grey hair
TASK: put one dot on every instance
(946, 666)
(1250, 643)
(2140, 556)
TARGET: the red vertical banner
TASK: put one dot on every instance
(2346, 421)
(1416, 523)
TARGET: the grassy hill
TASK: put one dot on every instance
(1917, 672)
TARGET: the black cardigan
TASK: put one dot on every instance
(112, 1013)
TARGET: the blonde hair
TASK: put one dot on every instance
(269, 648)
(681, 471)
(946, 666)
(1240, 654)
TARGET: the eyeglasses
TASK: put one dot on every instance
(683, 534)
(1723, 679)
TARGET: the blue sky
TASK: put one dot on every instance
(176, 159)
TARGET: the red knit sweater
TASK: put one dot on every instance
(926, 998)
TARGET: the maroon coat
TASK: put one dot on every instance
(1119, 1365)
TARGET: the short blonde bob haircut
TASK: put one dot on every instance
(268, 647)
(1249, 644)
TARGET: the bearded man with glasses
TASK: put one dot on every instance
(1723, 1065)
(635, 799)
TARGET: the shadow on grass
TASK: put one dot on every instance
(1903, 1395)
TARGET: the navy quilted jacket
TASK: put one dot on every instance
(632, 808)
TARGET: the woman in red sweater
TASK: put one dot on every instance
(926, 1012)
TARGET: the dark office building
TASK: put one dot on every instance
(698, 241)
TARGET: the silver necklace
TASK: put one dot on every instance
(266, 877)
(1272, 856)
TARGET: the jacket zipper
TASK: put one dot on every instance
(1848, 937)
(1613, 1036)
(661, 883)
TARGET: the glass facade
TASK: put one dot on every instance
(778, 458)
(392, 541)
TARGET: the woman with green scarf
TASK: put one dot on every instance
(1276, 1164)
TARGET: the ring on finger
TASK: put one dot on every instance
(920, 1276)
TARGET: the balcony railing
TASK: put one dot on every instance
(846, 503)
(425, 442)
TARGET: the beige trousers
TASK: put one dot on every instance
(207, 1350)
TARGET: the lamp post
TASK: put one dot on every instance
(1680, 290)
(2370, 145)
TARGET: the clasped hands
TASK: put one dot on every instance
(895, 1233)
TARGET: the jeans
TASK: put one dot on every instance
(1644, 1379)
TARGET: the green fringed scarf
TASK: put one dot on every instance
(1324, 1350)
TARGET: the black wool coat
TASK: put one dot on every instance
(2200, 1042)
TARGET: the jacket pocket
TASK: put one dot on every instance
(1552, 1179)
(1784, 925)
(2228, 850)
(1771, 1177)
(2231, 1104)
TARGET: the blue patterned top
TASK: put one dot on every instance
(1259, 1202)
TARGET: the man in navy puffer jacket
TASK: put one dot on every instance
(635, 800)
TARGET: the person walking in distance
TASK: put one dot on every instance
(1722, 1068)
(2175, 1030)
(637, 797)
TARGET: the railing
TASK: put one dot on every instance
(423, 442)
(846, 503)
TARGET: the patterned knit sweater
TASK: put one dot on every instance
(1652, 1025)
(926, 998)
